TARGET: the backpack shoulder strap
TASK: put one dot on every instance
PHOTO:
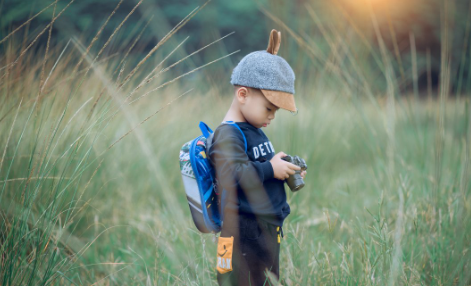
(243, 135)
(209, 134)
(205, 129)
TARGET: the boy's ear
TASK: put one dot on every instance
(241, 94)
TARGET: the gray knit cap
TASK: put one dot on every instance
(263, 70)
(268, 72)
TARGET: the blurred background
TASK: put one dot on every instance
(309, 28)
(97, 98)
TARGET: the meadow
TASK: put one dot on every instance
(91, 191)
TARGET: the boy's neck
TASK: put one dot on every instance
(234, 114)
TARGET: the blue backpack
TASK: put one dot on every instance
(198, 175)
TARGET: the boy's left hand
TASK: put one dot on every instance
(303, 174)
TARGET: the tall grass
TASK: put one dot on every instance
(91, 192)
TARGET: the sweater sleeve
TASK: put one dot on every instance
(233, 166)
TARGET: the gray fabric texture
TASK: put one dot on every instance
(263, 70)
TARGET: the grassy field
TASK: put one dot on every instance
(91, 192)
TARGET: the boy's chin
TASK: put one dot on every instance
(258, 125)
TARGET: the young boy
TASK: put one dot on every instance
(255, 204)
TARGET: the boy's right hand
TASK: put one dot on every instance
(281, 168)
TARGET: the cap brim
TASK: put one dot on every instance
(281, 99)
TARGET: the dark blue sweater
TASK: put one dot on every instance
(248, 177)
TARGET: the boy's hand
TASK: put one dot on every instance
(303, 174)
(281, 168)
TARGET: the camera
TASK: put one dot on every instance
(295, 182)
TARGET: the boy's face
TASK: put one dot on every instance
(256, 108)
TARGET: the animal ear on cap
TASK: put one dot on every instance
(274, 42)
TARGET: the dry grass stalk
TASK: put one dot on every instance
(10, 66)
(27, 22)
(161, 42)
(112, 35)
(96, 37)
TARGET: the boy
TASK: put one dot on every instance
(255, 204)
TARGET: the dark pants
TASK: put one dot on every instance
(256, 251)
